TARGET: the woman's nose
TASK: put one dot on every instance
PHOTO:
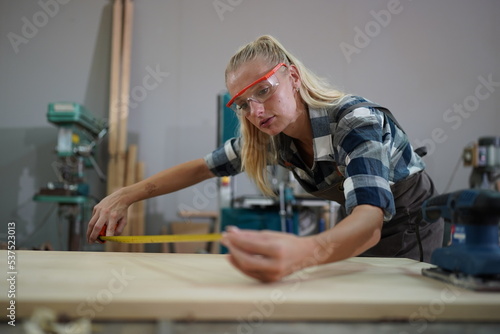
(256, 108)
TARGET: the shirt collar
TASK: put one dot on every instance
(322, 138)
(322, 134)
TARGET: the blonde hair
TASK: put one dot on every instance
(257, 151)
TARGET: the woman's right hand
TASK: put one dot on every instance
(112, 212)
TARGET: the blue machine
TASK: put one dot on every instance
(255, 219)
(474, 262)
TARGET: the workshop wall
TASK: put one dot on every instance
(435, 64)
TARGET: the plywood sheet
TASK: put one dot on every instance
(103, 285)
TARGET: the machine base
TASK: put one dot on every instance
(476, 283)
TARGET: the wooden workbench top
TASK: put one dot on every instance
(142, 286)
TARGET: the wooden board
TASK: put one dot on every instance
(130, 178)
(130, 286)
(114, 94)
(128, 14)
(139, 226)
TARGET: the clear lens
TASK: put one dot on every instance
(260, 93)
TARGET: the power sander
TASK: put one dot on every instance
(471, 262)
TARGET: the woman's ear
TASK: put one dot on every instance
(295, 77)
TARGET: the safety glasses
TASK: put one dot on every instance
(258, 91)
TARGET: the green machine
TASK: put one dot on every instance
(79, 135)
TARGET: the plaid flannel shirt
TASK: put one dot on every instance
(364, 148)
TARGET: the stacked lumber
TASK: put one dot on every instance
(123, 167)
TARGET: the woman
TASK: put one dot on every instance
(339, 147)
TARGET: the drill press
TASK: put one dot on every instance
(484, 158)
(79, 135)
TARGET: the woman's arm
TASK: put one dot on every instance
(355, 234)
(269, 256)
(112, 210)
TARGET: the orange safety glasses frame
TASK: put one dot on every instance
(265, 77)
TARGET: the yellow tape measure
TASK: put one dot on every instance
(151, 239)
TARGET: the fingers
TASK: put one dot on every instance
(94, 231)
(254, 274)
(114, 222)
(250, 261)
(110, 212)
(255, 242)
(120, 226)
(90, 227)
(257, 254)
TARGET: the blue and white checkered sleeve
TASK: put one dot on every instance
(364, 150)
(226, 160)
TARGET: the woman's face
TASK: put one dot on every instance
(279, 111)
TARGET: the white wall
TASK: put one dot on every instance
(422, 62)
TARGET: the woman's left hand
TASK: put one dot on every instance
(265, 255)
(269, 256)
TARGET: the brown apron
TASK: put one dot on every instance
(400, 234)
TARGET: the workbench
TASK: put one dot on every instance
(142, 287)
